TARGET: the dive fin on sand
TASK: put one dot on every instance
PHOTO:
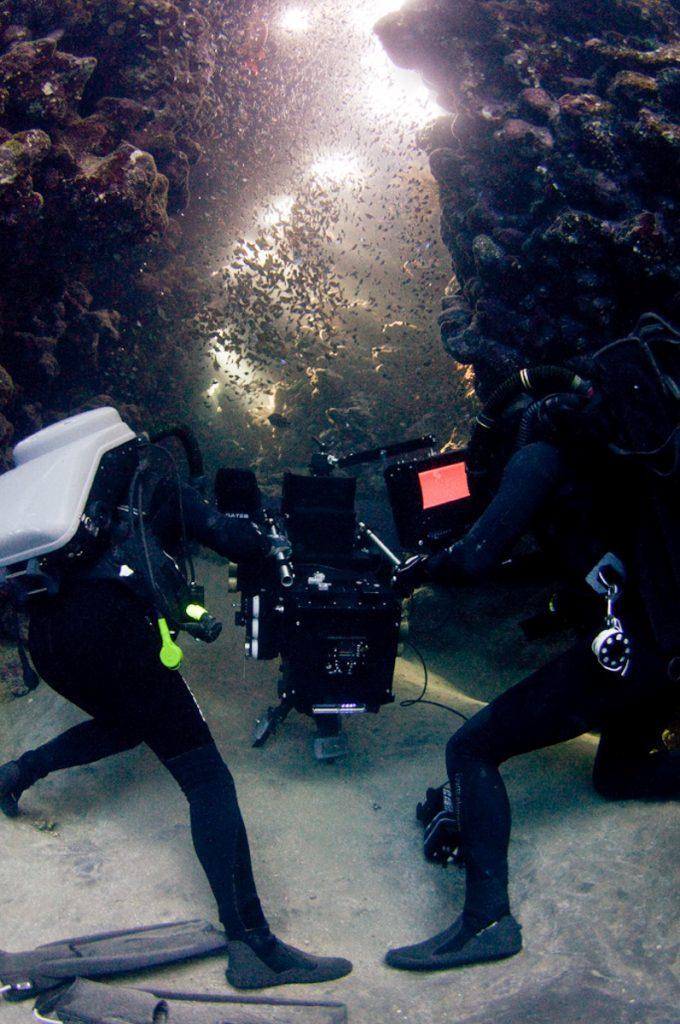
(90, 1002)
(94, 956)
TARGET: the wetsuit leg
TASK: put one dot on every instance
(561, 700)
(626, 770)
(120, 681)
(83, 744)
(115, 675)
(219, 836)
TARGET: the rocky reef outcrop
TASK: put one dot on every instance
(104, 109)
(558, 171)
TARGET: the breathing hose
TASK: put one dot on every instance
(187, 439)
(536, 382)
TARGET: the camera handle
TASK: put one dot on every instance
(379, 544)
(324, 462)
(281, 552)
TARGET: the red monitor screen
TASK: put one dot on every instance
(443, 484)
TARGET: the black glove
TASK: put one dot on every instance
(279, 548)
(410, 575)
(571, 417)
(444, 566)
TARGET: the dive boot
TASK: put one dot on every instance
(263, 961)
(10, 789)
(459, 945)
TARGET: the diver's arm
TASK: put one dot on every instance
(529, 479)
(234, 537)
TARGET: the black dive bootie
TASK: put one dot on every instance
(460, 945)
(10, 789)
(261, 960)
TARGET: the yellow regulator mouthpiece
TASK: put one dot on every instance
(170, 653)
(196, 612)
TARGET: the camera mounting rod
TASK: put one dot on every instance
(324, 462)
(374, 539)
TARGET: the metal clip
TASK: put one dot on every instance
(613, 594)
(611, 646)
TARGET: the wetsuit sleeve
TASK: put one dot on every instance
(235, 537)
(529, 480)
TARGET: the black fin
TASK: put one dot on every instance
(88, 1002)
(95, 956)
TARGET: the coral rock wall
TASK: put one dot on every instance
(558, 173)
(104, 107)
(558, 176)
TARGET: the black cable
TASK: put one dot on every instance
(185, 436)
(187, 560)
(421, 699)
(138, 530)
(131, 500)
(159, 602)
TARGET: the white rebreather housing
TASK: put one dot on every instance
(44, 496)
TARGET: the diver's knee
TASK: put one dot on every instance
(474, 738)
(463, 746)
(202, 766)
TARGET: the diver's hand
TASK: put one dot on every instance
(445, 566)
(279, 548)
(564, 417)
(410, 575)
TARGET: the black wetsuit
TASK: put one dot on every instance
(570, 695)
(571, 493)
(97, 645)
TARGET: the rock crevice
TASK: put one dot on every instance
(557, 172)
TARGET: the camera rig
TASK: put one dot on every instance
(324, 603)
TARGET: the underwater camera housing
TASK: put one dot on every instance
(327, 609)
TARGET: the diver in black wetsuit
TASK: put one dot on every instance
(581, 486)
(94, 643)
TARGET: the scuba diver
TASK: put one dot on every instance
(596, 476)
(93, 532)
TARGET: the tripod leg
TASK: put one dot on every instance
(330, 741)
(267, 724)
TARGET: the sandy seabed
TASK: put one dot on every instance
(337, 850)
